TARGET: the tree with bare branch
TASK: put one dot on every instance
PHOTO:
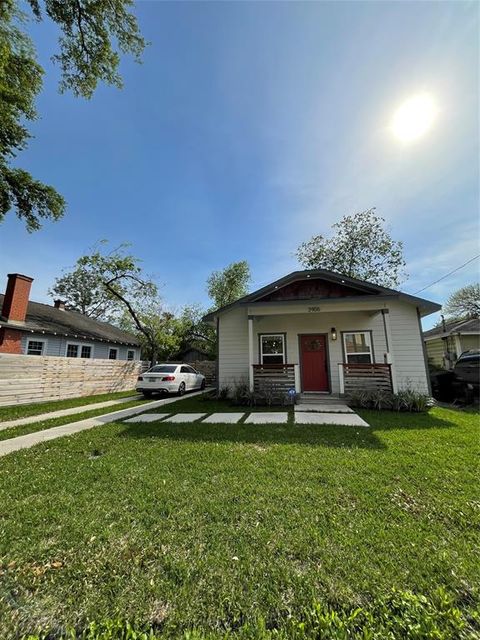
(106, 285)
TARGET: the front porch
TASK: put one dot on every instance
(282, 378)
(332, 350)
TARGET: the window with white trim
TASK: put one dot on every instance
(112, 354)
(358, 347)
(130, 354)
(78, 350)
(35, 347)
(272, 348)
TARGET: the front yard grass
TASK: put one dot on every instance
(240, 528)
(48, 423)
(14, 412)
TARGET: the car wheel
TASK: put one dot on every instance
(147, 394)
(202, 386)
(181, 389)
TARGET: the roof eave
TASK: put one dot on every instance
(426, 307)
(79, 336)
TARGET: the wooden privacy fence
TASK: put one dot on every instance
(206, 367)
(25, 379)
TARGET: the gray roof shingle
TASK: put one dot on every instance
(471, 325)
(48, 319)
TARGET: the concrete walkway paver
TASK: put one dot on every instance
(64, 412)
(185, 417)
(148, 417)
(224, 418)
(349, 419)
(267, 417)
(31, 439)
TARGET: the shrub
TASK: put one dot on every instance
(381, 399)
(223, 392)
(242, 396)
(269, 394)
(410, 400)
(240, 393)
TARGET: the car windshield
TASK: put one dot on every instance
(163, 368)
(472, 357)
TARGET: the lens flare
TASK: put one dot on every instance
(414, 118)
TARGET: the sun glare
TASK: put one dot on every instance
(414, 118)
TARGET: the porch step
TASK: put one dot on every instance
(323, 407)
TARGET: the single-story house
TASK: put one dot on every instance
(449, 340)
(36, 329)
(319, 331)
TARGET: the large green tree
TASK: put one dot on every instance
(360, 247)
(93, 34)
(229, 284)
(464, 303)
(195, 332)
(118, 286)
(165, 329)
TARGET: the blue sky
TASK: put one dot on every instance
(248, 128)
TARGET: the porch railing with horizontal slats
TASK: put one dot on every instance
(364, 377)
(278, 377)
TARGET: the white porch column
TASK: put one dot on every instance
(389, 352)
(250, 352)
(341, 378)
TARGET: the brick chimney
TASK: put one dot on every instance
(15, 302)
(59, 304)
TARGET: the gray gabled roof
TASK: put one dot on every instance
(426, 306)
(470, 325)
(43, 318)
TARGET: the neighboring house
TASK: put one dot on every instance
(448, 341)
(36, 329)
(318, 331)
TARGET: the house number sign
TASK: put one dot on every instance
(313, 309)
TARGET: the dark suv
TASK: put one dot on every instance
(467, 373)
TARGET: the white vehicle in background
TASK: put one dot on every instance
(169, 378)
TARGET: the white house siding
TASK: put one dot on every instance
(406, 347)
(233, 347)
(57, 346)
(435, 352)
(407, 343)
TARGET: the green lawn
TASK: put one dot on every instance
(21, 430)
(24, 410)
(241, 529)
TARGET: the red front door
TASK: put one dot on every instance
(313, 349)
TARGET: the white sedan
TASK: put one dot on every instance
(169, 378)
